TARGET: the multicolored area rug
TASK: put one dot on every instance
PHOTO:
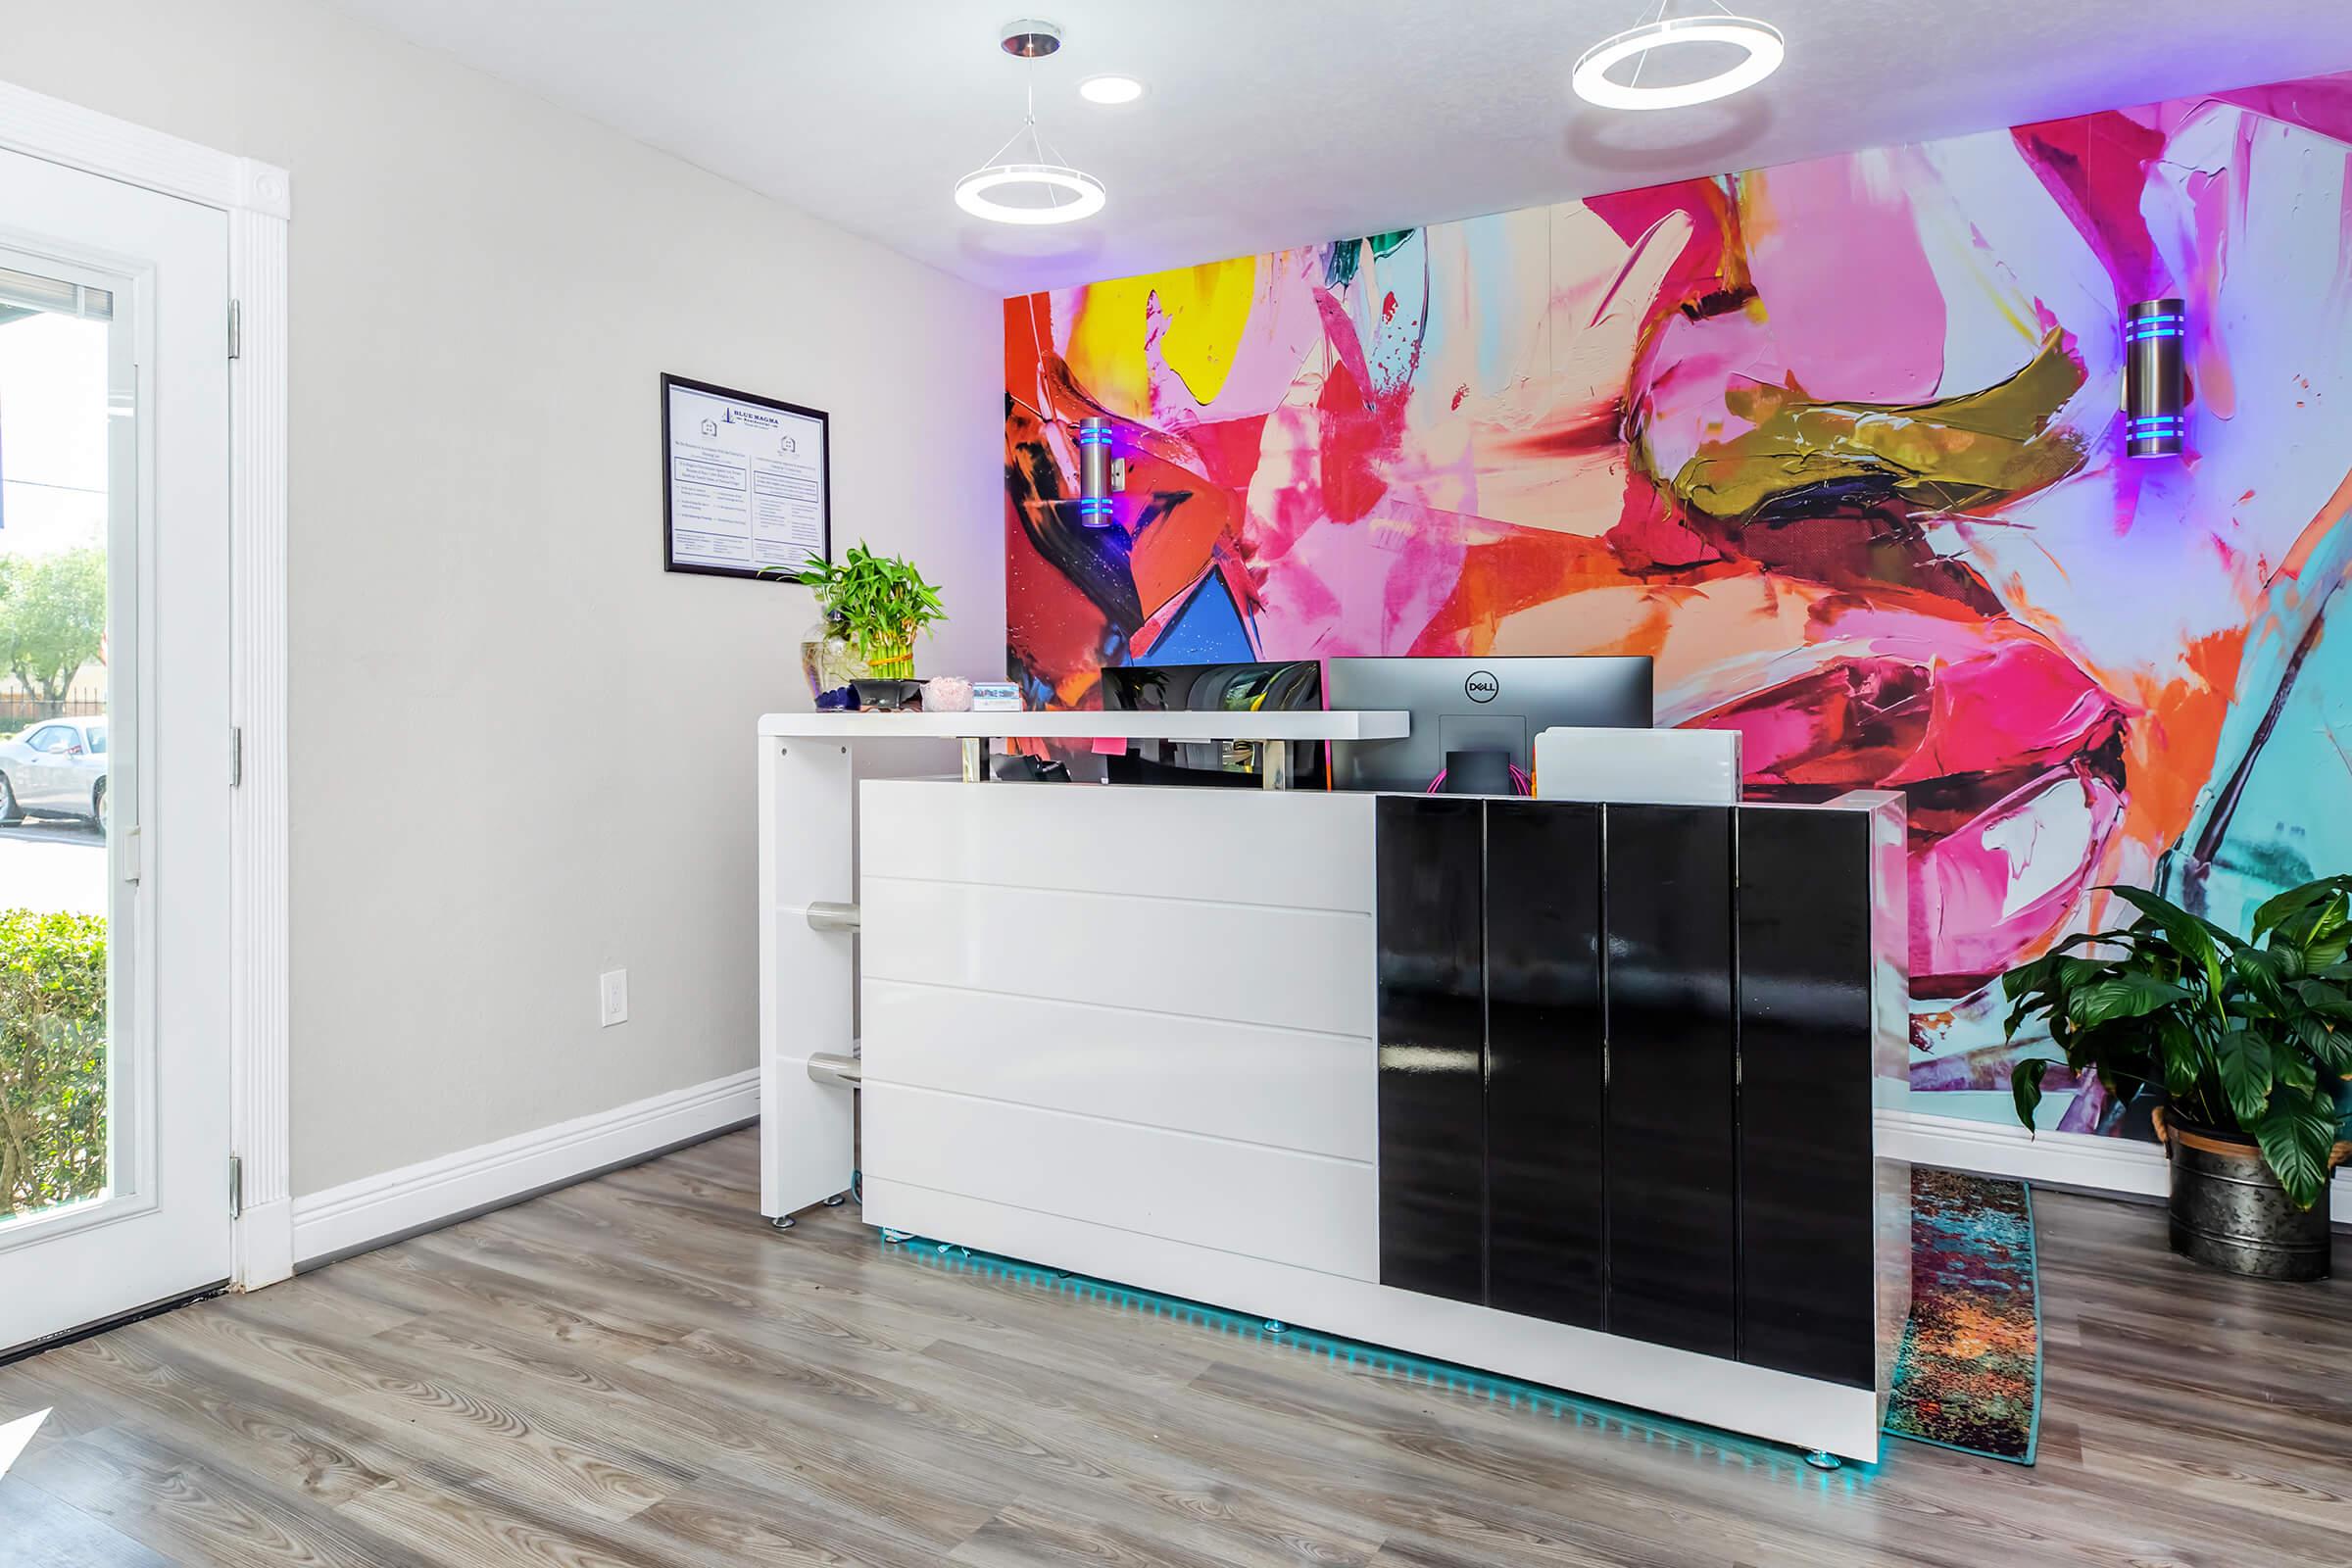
(1969, 1375)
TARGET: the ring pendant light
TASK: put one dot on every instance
(1070, 193)
(1762, 43)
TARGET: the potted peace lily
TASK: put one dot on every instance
(2244, 1043)
(875, 603)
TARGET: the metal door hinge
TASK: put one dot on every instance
(236, 757)
(236, 329)
(236, 1187)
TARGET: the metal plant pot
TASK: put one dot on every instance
(2229, 1212)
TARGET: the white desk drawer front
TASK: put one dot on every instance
(1286, 1088)
(1300, 1209)
(1300, 849)
(1289, 968)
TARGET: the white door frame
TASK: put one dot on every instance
(256, 196)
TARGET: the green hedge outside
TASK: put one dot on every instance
(52, 1058)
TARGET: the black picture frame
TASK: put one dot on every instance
(825, 424)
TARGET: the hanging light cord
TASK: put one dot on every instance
(1046, 151)
(1642, 59)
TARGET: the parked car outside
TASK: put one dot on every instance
(55, 768)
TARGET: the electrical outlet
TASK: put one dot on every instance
(613, 996)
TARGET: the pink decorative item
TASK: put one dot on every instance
(947, 694)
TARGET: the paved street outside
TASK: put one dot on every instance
(52, 865)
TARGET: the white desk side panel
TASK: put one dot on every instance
(808, 982)
(1143, 1007)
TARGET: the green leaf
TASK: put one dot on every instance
(2025, 1088)
(878, 599)
(2325, 935)
(2282, 908)
(2026, 978)
(2245, 1060)
(2200, 941)
(2182, 1054)
(2316, 929)
(2328, 1045)
(2123, 996)
(2293, 1068)
(2296, 1138)
(2326, 996)
(2068, 970)
(2262, 974)
(2174, 919)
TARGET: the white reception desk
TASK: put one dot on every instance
(1234, 1046)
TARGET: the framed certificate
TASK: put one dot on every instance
(746, 483)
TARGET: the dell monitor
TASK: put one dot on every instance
(1475, 721)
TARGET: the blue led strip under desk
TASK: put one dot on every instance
(1722, 1447)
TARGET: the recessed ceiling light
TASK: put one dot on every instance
(1761, 41)
(1110, 89)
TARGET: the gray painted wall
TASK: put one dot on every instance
(521, 754)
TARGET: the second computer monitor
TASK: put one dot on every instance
(1475, 721)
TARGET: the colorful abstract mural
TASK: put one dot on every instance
(1839, 445)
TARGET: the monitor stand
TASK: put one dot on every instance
(1477, 772)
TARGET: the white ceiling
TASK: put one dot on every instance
(1274, 122)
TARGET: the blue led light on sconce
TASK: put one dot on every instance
(2155, 383)
(1098, 472)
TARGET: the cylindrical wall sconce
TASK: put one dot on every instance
(1094, 472)
(2154, 387)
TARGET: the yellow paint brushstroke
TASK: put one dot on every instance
(1943, 456)
(1203, 311)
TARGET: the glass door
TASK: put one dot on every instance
(114, 808)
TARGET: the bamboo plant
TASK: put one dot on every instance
(881, 602)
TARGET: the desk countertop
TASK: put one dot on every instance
(1309, 726)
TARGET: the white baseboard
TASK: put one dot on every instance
(2068, 1159)
(434, 1192)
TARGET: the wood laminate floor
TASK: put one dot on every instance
(638, 1371)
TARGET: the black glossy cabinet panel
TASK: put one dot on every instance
(1805, 1157)
(1672, 1114)
(1625, 1071)
(1432, 1046)
(1546, 1238)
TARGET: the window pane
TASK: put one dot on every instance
(54, 445)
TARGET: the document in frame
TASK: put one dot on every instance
(747, 488)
